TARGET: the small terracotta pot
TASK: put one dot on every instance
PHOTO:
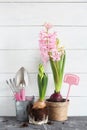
(58, 110)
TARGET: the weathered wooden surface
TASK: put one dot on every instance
(73, 123)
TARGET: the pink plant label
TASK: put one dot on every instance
(71, 79)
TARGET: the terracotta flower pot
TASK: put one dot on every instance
(58, 110)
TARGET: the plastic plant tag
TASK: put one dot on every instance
(71, 79)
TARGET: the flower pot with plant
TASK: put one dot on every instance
(39, 112)
(51, 50)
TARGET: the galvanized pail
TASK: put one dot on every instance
(22, 108)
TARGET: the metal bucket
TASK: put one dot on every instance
(22, 108)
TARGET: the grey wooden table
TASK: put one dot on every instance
(73, 123)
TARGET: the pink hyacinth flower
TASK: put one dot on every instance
(55, 55)
(44, 54)
(43, 34)
(48, 26)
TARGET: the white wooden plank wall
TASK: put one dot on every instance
(20, 24)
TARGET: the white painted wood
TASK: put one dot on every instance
(32, 89)
(27, 37)
(12, 60)
(37, 14)
(7, 106)
(76, 106)
(24, 1)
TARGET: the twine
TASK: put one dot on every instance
(58, 110)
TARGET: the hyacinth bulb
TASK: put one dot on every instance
(56, 97)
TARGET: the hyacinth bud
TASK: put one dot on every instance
(48, 26)
(42, 82)
(41, 71)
